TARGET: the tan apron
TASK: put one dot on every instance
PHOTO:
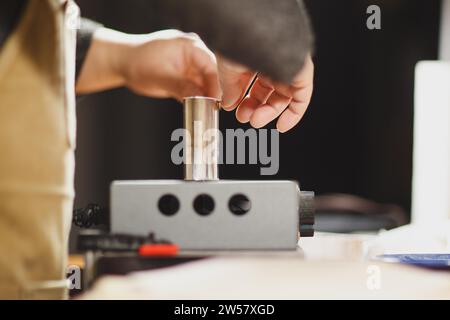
(37, 132)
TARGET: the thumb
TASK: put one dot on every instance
(234, 81)
(211, 82)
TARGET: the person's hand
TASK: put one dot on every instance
(267, 100)
(164, 64)
(174, 64)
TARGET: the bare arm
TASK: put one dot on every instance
(163, 64)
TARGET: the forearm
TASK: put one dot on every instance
(102, 66)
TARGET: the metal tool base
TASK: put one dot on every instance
(214, 215)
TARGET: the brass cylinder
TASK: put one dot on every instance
(201, 122)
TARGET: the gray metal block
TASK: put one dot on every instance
(271, 223)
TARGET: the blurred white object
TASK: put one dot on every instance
(336, 246)
(413, 238)
(431, 156)
(444, 34)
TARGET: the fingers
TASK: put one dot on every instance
(211, 85)
(203, 71)
(234, 80)
(302, 89)
(188, 89)
(267, 100)
(258, 96)
(270, 110)
(291, 116)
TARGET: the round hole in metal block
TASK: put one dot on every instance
(204, 204)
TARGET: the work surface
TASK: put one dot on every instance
(327, 266)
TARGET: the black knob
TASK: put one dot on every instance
(239, 204)
(168, 205)
(307, 211)
(204, 204)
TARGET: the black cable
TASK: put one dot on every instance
(93, 215)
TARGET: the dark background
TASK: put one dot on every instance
(355, 138)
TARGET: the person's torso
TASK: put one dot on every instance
(37, 100)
